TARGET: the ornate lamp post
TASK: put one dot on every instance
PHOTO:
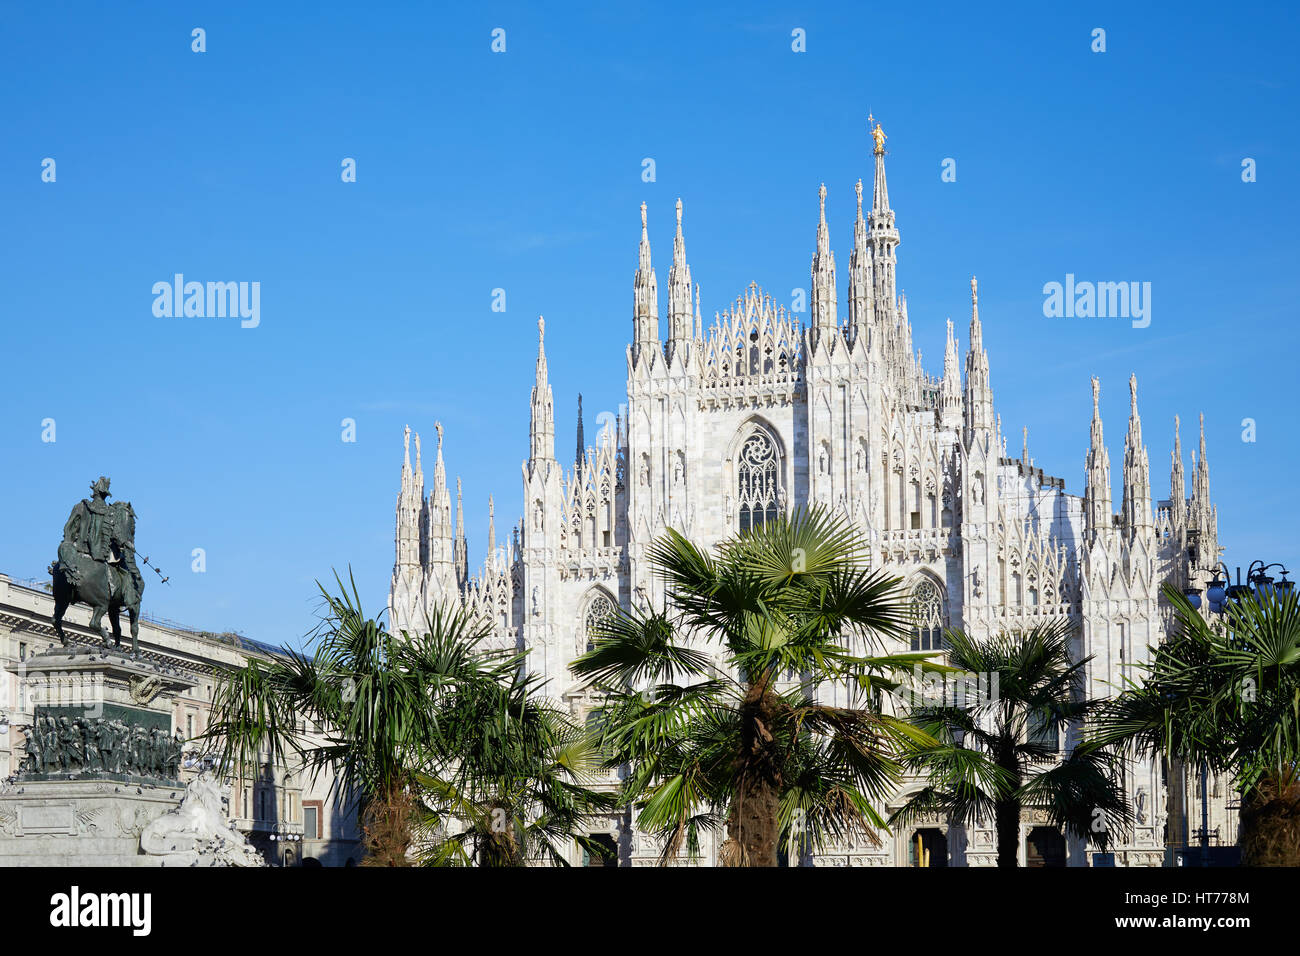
(1220, 593)
(1258, 582)
(286, 842)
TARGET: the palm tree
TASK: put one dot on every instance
(509, 787)
(1228, 695)
(995, 754)
(711, 743)
(385, 709)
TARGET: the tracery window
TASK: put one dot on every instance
(758, 480)
(599, 611)
(927, 616)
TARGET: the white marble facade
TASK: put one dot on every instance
(763, 413)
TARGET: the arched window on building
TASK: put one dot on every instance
(927, 616)
(599, 610)
(758, 480)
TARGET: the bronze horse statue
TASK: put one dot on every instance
(107, 587)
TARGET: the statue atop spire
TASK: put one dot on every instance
(877, 134)
(883, 235)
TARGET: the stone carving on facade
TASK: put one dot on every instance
(196, 833)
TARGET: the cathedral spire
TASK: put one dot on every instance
(645, 293)
(950, 392)
(680, 318)
(1136, 506)
(542, 425)
(438, 537)
(979, 394)
(1201, 482)
(862, 297)
(582, 442)
(460, 547)
(699, 327)
(1177, 487)
(440, 475)
(460, 511)
(1203, 517)
(492, 531)
(824, 319)
(884, 237)
(410, 502)
(1096, 496)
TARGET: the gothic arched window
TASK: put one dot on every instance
(758, 480)
(927, 616)
(599, 611)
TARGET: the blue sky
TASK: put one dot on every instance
(522, 171)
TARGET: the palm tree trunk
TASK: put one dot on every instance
(387, 827)
(754, 822)
(1270, 823)
(1007, 810)
(1007, 817)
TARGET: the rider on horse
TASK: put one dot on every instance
(91, 531)
(96, 563)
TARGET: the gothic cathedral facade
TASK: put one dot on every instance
(760, 414)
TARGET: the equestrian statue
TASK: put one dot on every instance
(96, 565)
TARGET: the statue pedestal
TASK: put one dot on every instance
(102, 762)
(79, 822)
(99, 683)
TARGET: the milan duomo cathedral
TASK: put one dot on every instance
(760, 414)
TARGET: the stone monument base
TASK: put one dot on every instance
(80, 822)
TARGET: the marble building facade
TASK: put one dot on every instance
(764, 412)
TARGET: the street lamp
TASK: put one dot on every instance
(286, 841)
(1220, 592)
(1258, 583)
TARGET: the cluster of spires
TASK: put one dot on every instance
(1136, 515)
(438, 545)
(878, 328)
(879, 322)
